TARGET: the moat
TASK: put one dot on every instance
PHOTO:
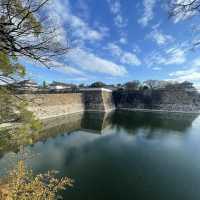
(120, 155)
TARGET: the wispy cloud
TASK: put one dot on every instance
(170, 56)
(175, 56)
(60, 12)
(83, 9)
(123, 40)
(186, 75)
(114, 49)
(115, 8)
(148, 13)
(130, 59)
(157, 68)
(190, 74)
(124, 56)
(64, 68)
(159, 37)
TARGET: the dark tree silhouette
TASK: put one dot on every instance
(132, 85)
(97, 85)
(185, 9)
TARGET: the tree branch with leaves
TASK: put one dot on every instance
(25, 33)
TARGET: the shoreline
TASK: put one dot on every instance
(15, 124)
(59, 115)
(155, 110)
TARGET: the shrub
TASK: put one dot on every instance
(22, 184)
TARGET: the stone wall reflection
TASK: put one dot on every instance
(132, 121)
(92, 122)
(97, 122)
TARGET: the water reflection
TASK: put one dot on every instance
(123, 155)
(153, 125)
(101, 123)
(96, 122)
(165, 121)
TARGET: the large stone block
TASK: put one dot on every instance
(98, 99)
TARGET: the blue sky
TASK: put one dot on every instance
(116, 41)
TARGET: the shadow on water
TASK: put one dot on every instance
(96, 122)
(109, 159)
(153, 124)
(166, 121)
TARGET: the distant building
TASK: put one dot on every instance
(27, 85)
(57, 86)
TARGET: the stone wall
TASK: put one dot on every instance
(98, 99)
(93, 100)
(168, 100)
(108, 100)
(52, 105)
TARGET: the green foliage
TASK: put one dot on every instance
(9, 65)
(23, 13)
(44, 84)
(31, 21)
(26, 130)
(97, 85)
(8, 105)
(18, 23)
(30, 126)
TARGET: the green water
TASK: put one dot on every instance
(122, 155)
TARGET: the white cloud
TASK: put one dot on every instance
(191, 74)
(83, 9)
(90, 62)
(124, 56)
(114, 49)
(171, 56)
(148, 13)
(136, 48)
(81, 59)
(105, 31)
(123, 40)
(159, 37)
(82, 30)
(63, 68)
(175, 56)
(130, 58)
(196, 62)
(157, 68)
(60, 12)
(115, 8)
(186, 75)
